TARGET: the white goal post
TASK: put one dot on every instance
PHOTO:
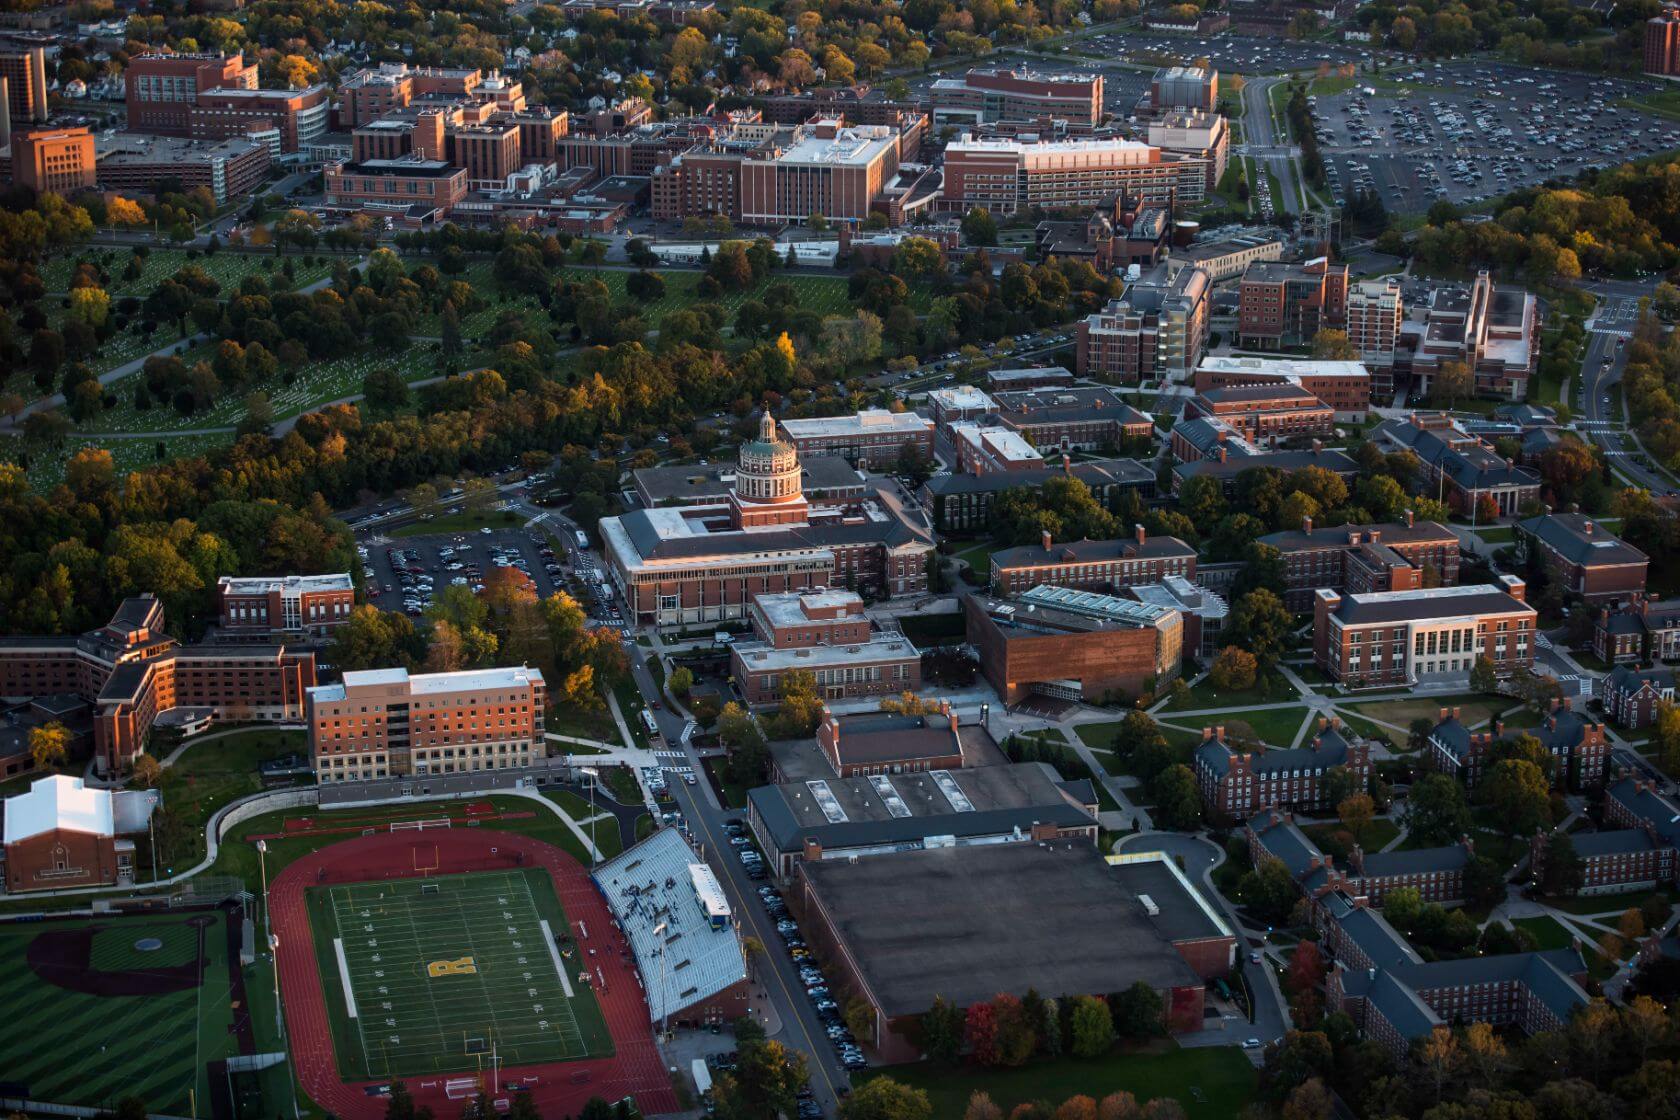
(419, 826)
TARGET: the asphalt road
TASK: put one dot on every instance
(801, 1029)
(1199, 857)
(1603, 427)
(1259, 135)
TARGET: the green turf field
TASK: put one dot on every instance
(441, 970)
(74, 1047)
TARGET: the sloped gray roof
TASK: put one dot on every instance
(1581, 540)
(1450, 858)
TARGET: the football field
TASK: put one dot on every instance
(446, 974)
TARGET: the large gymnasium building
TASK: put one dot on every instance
(698, 564)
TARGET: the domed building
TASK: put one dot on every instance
(767, 484)
(703, 561)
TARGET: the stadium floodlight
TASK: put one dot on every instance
(262, 861)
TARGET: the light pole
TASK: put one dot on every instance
(594, 776)
(262, 863)
(664, 1010)
(280, 1019)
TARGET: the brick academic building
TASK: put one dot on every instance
(1387, 556)
(698, 564)
(133, 673)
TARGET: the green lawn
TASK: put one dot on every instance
(467, 521)
(827, 295)
(207, 776)
(1473, 709)
(1276, 727)
(73, 1047)
(926, 630)
(1268, 690)
(227, 269)
(1608, 903)
(592, 723)
(1098, 736)
(978, 557)
(1377, 836)
(1547, 931)
(1212, 1083)
(314, 385)
(1499, 534)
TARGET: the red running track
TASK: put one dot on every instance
(558, 1088)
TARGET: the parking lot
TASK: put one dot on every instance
(1449, 132)
(407, 573)
(1230, 54)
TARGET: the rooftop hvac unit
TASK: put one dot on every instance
(1149, 905)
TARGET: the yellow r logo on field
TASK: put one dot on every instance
(463, 966)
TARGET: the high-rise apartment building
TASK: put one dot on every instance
(827, 169)
(59, 160)
(23, 76)
(1375, 310)
(1662, 42)
(380, 723)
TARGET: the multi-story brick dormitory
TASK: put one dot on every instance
(379, 723)
(963, 502)
(1235, 784)
(1577, 743)
(1395, 997)
(1388, 556)
(1631, 802)
(1460, 467)
(1614, 860)
(698, 564)
(1392, 994)
(1265, 412)
(1585, 557)
(1077, 419)
(1092, 565)
(1631, 696)
(1645, 629)
(1404, 637)
(1437, 874)
(1227, 467)
(133, 672)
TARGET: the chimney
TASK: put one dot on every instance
(1567, 702)
(1221, 453)
(1044, 538)
(1498, 727)
(1306, 524)
(1586, 528)
(1409, 517)
(1141, 533)
(1067, 464)
(5, 112)
(1443, 716)
(1455, 713)
(813, 849)
(1317, 446)
(1219, 731)
(1323, 722)
(951, 716)
(1207, 734)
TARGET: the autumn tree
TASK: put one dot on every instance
(1355, 812)
(49, 745)
(1451, 383)
(1233, 670)
(1092, 1032)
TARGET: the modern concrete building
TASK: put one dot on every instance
(1425, 634)
(381, 723)
(54, 160)
(1493, 330)
(1194, 88)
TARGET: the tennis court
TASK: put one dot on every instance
(450, 973)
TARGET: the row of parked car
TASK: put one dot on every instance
(751, 861)
(816, 984)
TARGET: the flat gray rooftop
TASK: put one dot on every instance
(968, 923)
